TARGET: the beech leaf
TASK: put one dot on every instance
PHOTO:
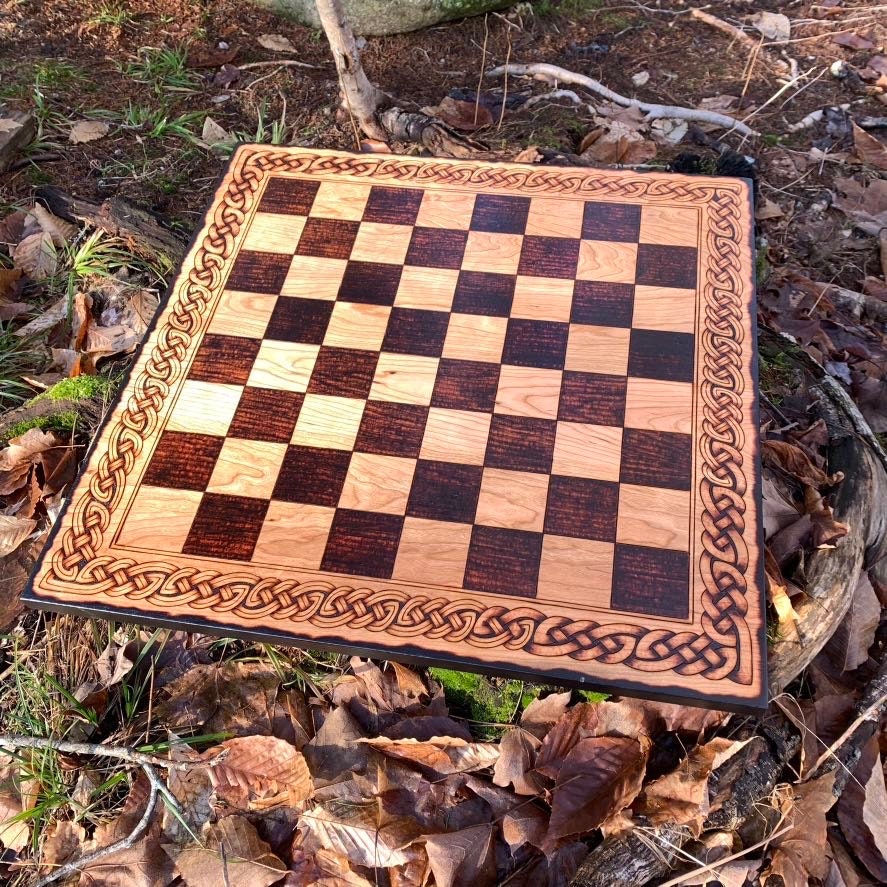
(443, 754)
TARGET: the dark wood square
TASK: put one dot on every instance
(519, 443)
(620, 222)
(224, 359)
(299, 320)
(656, 354)
(312, 475)
(481, 292)
(362, 542)
(666, 265)
(226, 527)
(480, 465)
(412, 331)
(656, 459)
(183, 461)
(549, 257)
(256, 272)
(266, 414)
(593, 398)
(602, 304)
(373, 283)
(651, 581)
(582, 508)
(536, 343)
(503, 561)
(500, 214)
(445, 491)
(391, 429)
(466, 385)
(393, 206)
(343, 372)
(437, 248)
(292, 197)
(327, 238)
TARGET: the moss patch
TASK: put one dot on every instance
(63, 422)
(77, 389)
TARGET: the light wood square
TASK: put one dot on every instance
(176, 508)
(654, 517)
(311, 277)
(356, 325)
(404, 378)
(576, 571)
(592, 451)
(430, 288)
(528, 391)
(432, 551)
(550, 217)
(664, 308)
(378, 483)
(273, 233)
(514, 500)
(495, 253)
(340, 200)
(475, 337)
(327, 421)
(380, 242)
(597, 349)
(242, 314)
(294, 535)
(542, 298)
(283, 365)
(247, 468)
(456, 436)
(671, 225)
(607, 261)
(446, 209)
(659, 405)
(204, 407)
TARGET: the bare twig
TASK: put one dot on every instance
(724, 27)
(554, 74)
(812, 118)
(282, 63)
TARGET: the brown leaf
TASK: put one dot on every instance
(355, 831)
(681, 797)
(853, 41)
(532, 154)
(539, 716)
(464, 858)
(23, 452)
(869, 149)
(36, 255)
(235, 697)
(63, 841)
(58, 229)
(848, 647)
(335, 753)
(466, 116)
(525, 824)
(193, 789)
(232, 854)
(821, 722)
(618, 142)
(408, 682)
(599, 777)
(14, 531)
(767, 209)
(276, 43)
(14, 835)
(555, 870)
(517, 754)
(865, 205)
(791, 459)
(442, 754)
(12, 227)
(88, 131)
(323, 869)
(862, 812)
(259, 772)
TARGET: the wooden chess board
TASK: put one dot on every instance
(493, 416)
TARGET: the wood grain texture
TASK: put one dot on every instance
(503, 415)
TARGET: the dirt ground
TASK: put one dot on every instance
(138, 81)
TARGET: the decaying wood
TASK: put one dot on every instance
(430, 132)
(556, 75)
(44, 409)
(118, 217)
(17, 132)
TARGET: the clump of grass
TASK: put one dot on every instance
(18, 358)
(156, 123)
(115, 14)
(165, 69)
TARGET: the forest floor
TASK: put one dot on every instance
(225, 762)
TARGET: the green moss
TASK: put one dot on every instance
(65, 422)
(489, 702)
(78, 388)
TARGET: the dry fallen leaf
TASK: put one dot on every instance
(63, 841)
(14, 531)
(619, 143)
(773, 25)
(517, 754)
(466, 116)
(276, 43)
(17, 458)
(767, 209)
(36, 255)
(869, 149)
(58, 229)
(848, 647)
(853, 41)
(463, 858)
(16, 834)
(88, 131)
(214, 135)
(443, 754)
(862, 812)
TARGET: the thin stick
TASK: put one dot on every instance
(552, 73)
(505, 82)
(141, 827)
(724, 27)
(483, 62)
(283, 63)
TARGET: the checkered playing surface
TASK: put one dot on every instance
(478, 391)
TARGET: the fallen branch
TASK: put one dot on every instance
(555, 74)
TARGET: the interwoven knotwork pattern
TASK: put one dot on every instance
(721, 651)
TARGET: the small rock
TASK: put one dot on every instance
(641, 78)
(839, 69)
(223, 45)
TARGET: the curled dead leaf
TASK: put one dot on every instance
(442, 754)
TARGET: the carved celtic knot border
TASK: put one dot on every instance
(723, 650)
